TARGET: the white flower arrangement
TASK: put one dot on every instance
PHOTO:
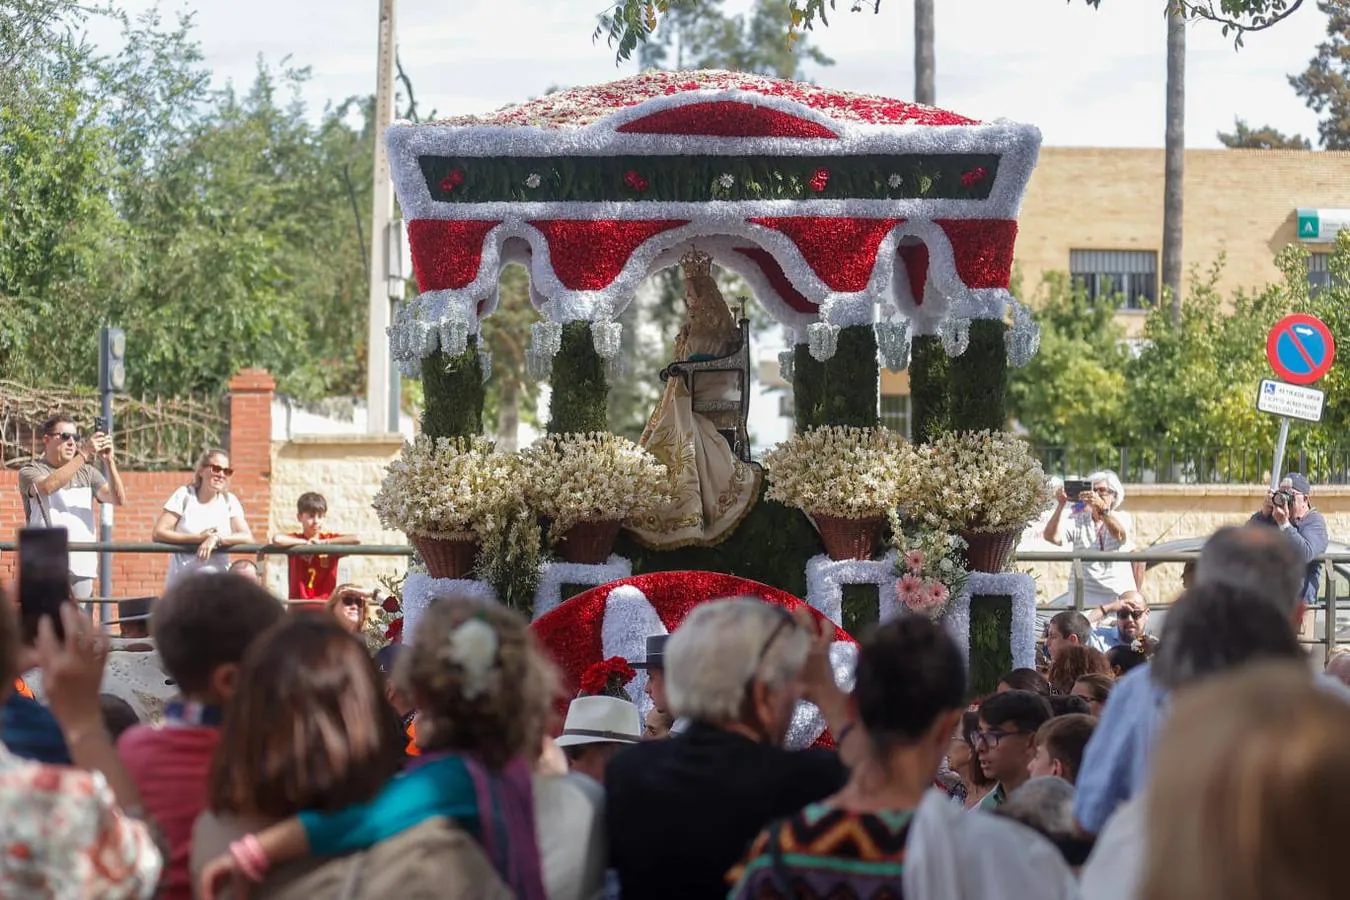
(573, 478)
(843, 471)
(473, 648)
(978, 482)
(930, 566)
(443, 487)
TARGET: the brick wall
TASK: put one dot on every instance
(142, 574)
(1241, 202)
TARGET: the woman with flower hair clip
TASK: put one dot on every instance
(483, 691)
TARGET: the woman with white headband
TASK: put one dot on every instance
(1094, 522)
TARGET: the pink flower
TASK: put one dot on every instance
(914, 559)
(938, 591)
(919, 600)
(907, 587)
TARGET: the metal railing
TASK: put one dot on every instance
(1329, 604)
(258, 551)
(1165, 464)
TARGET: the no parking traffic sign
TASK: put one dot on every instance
(1300, 348)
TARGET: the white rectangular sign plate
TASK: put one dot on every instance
(1290, 400)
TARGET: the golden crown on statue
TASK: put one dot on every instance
(695, 263)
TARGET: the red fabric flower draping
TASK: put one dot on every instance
(573, 632)
(915, 258)
(982, 249)
(446, 253)
(841, 251)
(588, 255)
(778, 279)
(726, 118)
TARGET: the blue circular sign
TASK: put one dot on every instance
(1300, 348)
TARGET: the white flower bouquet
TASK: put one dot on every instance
(978, 482)
(593, 477)
(447, 487)
(842, 471)
(930, 565)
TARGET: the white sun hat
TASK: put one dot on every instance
(600, 720)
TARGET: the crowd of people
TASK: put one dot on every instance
(295, 764)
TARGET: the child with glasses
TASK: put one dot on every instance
(203, 517)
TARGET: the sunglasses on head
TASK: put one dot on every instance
(220, 470)
(65, 435)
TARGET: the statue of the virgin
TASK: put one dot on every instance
(713, 489)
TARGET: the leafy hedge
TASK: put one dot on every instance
(580, 388)
(843, 389)
(453, 387)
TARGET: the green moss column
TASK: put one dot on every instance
(580, 389)
(930, 405)
(843, 389)
(978, 379)
(990, 642)
(453, 385)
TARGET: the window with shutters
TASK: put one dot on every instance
(1131, 275)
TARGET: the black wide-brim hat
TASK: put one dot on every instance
(656, 653)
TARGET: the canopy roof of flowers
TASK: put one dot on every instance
(825, 201)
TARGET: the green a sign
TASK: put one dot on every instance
(1309, 226)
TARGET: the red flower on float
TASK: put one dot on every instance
(974, 176)
(635, 180)
(453, 180)
(394, 633)
(819, 180)
(390, 604)
(614, 672)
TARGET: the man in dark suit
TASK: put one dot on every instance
(682, 812)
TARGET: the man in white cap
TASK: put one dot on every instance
(569, 809)
(595, 730)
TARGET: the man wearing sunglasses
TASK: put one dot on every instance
(59, 489)
(1131, 612)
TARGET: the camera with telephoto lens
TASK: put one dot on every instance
(1283, 499)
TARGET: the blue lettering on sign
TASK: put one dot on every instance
(1301, 349)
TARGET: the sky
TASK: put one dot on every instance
(1085, 77)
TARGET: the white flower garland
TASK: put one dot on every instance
(420, 589)
(1017, 145)
(825, 580)
(553, 575)
(1022, 589)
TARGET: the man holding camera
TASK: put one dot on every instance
(1289, 509)
(59, 488)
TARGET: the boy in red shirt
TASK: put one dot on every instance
(201, 627)
(313, 577)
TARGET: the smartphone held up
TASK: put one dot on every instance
(44, 578)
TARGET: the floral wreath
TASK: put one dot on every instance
(608, 678)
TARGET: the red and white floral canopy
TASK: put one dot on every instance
(827, 202)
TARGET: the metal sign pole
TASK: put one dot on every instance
(1278, 465)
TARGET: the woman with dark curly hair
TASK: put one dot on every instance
(1075, 661)
(483, 691)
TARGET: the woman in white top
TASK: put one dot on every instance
(204, 515)
(1095, 523)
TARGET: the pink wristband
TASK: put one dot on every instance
(249, 857)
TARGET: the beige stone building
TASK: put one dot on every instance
(1097, 214)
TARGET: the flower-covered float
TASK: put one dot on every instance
(879, 231)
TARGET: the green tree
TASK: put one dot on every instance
(1073, 392)
(699, 35)
(628, 24)
(219, 230)
(1244, 137)
(1325, 84)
